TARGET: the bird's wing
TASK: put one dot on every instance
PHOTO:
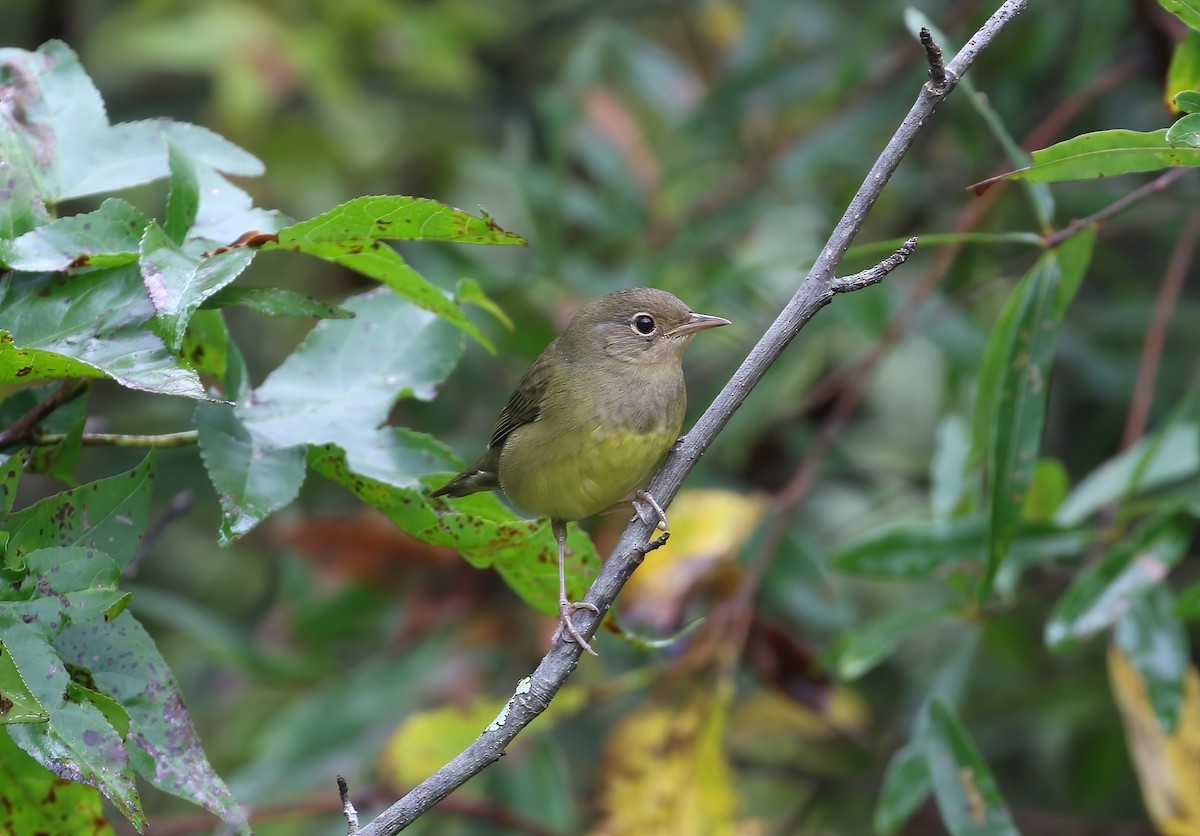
(525, 404)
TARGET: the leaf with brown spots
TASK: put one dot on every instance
(480, 527)
(34, 800)
(106, 237)
(78, 742)
(352, 234)
(108, 515)
(163, 744)
(11, 468)
(967, 794)
(35, 366)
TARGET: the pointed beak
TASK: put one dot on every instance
(697, 322)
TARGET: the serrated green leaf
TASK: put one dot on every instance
(338, 386)
(64, 585)
(1155, 641)
(1103, 593)
(382, 263)
(479, 526)
(97, 318)
(966, 792)
(64, 123)
(905, 788)
(113, 711)
(1170, 455)
(1186, 10)
(32, 366)
(178, 282)
(107, 237)
(398, 217)
(183, 199)
(1106, 154)
(163, 746)
(862, 648)
(276, 301)
(108, 516)
(34, 800)
(21, 206)
(61, 569)
(252, 481)
(77, 743)
(227, 212)
(351, 235)
(17, 703)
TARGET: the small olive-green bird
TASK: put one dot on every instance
(592, 418)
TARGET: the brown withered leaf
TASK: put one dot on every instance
(785, 663)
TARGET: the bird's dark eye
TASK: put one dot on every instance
(643, 324)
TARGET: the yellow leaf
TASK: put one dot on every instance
(1168, 766)
(707, 529)
(1184, 71)
(665, 772)
(723, 22)
(427, 740)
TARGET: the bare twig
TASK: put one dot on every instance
(180, 505)
(24, 427)
(347, 806)
(478, 811)
(534, 693)
(876, 274)
(848, 382)
(1155, 186)
(933, 54)
(1156, 333)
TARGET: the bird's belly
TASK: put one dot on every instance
(573, 483)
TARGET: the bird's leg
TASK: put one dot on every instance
(659, 514)
(566, 629)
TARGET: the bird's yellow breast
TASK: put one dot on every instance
(594, 471)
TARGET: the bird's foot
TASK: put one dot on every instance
(566, 628)
(658, 518)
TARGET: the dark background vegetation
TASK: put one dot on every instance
(705, 148)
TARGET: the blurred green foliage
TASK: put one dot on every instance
(706, 148)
